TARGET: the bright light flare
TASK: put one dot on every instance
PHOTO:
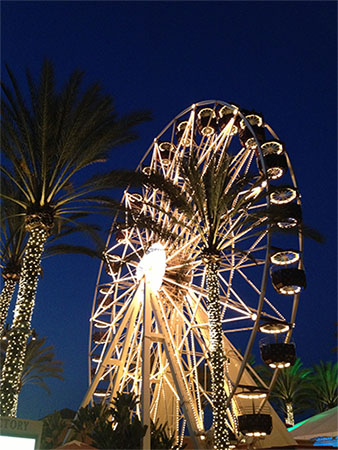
(152, 265)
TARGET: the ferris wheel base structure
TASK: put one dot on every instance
(177, 382)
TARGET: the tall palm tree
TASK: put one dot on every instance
(211, 201)
(325, 385)
(46, 145)
(215, 206)
(292, 391)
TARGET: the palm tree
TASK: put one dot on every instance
(160, 437)
(117, 427)
(216, 206)
(39, 363)
(89, 418)
(325, 385)
(112, 427)
(53, 430)
(292, 391)
(211, 201)
(46, 145)
(128, 430)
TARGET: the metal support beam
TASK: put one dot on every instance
(145, 392)
(175, 369)
(132, 309)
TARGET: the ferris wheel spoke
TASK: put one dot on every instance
(258, 291)
(176, 368)
(237, 305)
(134, 352)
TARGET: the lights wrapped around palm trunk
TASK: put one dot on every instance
(278, 354)
(6, 298)
(288, 281)
(257, 425)
(20, 331)
(217, 357)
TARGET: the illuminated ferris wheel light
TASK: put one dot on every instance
(152, 265)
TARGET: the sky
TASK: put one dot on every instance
(276, 57)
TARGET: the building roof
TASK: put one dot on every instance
(324, 424)
(75, 445)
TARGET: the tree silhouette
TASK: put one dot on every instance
(46, 145)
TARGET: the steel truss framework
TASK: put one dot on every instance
(179, 358)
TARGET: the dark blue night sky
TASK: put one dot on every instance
(276, 57)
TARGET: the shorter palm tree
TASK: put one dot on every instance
(53, 429)
(160, 436)
(325, 385)
(292, 391)
(110, 427)
(88, 419)
(128, 430)
(117, 427)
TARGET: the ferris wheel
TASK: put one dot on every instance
(260, 278)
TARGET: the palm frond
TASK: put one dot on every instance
(39, 363)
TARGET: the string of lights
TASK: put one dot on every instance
(20, 331)
(5, 299)
(221, 435)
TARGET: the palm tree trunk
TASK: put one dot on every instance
(20, 331)
(289, 420)
(5, 299)
(221, 436)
